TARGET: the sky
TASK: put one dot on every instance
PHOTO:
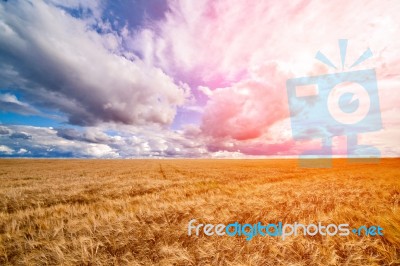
(194, 79)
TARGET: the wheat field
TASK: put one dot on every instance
(136, 212)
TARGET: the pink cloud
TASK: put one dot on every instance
(217, 41)
(246, 109)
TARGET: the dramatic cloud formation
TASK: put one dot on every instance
(181, 78)
(243, 39)
(64, 62)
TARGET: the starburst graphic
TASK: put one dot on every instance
(343, 50)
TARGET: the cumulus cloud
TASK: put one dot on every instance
(22, 151)
(248, 108)
(159, 142)
(29, 141)
(4, 150)
(123, 142)
(62, 62)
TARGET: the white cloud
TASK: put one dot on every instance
(44, 142)
(22, 151)
(6, 150)
(126, 142)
